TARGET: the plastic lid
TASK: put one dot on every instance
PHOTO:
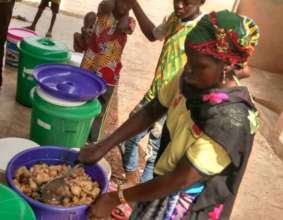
(57, 101)
(20, 33)
(13, 207)
(45, 48)
(69, 82)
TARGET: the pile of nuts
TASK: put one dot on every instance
(79, 189)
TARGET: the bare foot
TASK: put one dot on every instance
(30, 28)
(48, 34)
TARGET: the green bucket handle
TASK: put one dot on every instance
(49, 43)
(46, 42)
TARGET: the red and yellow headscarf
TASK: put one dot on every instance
(225, 36)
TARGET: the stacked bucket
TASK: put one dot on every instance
(61, 115)
(35, 51)
(64, 105)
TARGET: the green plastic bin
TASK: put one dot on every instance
(35, 51)
(13, 207)
(62, 126)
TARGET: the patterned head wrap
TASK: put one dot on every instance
(225, 36)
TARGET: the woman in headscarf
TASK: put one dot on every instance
(208, 134)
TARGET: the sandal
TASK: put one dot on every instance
(122, 212)
(112, 186)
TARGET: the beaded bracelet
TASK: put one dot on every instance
(121, 195)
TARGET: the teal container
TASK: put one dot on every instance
(66, 126)
(35, 51)
(13, 207)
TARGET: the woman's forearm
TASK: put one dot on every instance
(137, 123)
(181, 178)
(144, 22)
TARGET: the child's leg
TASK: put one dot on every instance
(55, 10)
(6, 9)
(43, 4)
(153, 147)
(98, 124)
(130, 149)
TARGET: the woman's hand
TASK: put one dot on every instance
(103, 206)
(91, 154)
(152, 112)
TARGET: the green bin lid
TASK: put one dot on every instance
(13, 207)
(45, 48)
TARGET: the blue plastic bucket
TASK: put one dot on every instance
(13, 37)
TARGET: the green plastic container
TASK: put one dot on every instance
(62, 126)
(13, 207)
(35, 51)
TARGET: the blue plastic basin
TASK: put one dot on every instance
(53, 155)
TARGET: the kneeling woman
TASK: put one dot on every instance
(208, 135)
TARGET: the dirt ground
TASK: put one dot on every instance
(261, 193)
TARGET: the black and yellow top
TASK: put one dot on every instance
(185, 137)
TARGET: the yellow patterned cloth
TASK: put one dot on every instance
(172, 57)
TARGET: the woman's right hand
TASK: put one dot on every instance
(91, 154)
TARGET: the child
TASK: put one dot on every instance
(103, 55)
(81, 40)
(6, 9)
(55, 5)
(173, 31)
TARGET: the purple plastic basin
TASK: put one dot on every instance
(69, 82)
(53, 155)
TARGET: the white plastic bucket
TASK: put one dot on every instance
(53, 100)
(76, 59)
(11, 146)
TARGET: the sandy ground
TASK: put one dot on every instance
(261, 192)
(79, 7)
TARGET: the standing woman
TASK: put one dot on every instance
(208, 135)
(6, 9)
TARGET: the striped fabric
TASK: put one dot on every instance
(174, 207)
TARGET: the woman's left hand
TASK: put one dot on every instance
(103, 206)
(91, 154)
